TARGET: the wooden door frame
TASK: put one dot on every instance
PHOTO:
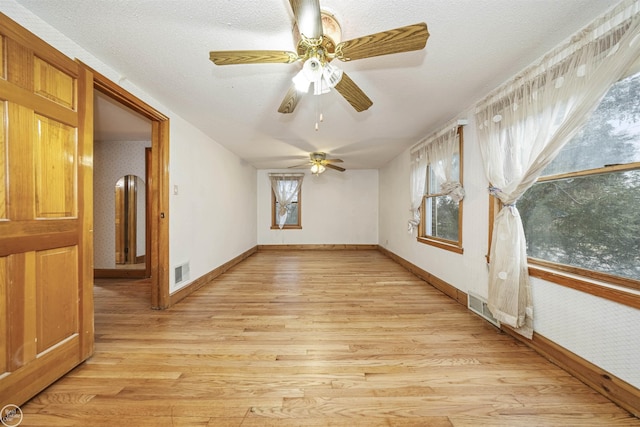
(158, 223)
(148, 200)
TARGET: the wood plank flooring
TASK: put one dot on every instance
(310, 338)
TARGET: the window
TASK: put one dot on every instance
(441, 212)
(582, 214)
(289, 190)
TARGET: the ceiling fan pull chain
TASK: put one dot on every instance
(318, 113)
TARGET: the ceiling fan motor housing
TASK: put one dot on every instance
(318, 157)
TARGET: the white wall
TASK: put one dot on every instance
(111, 161)
(213, 218)
(337, 208)
(603, 332)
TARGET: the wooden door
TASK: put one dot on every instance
(46, 216)
(126, 214)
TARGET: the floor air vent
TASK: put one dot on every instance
(478, 305)
(181, 273)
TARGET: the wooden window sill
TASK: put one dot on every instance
(441, 244)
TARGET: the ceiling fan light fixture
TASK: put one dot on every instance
(320, 87)
(331, 75)
(312, 69)
(317, 169)
(301, 82)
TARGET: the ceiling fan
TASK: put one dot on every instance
(316, 48)
(319, 162)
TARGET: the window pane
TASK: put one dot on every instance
(442, 218)
(292, 217)
(611, 136)
(591, 222)
(434, 182)
(286, 189)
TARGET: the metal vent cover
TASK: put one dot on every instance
(478, 305)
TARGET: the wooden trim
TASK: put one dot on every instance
(613, 388)
(590, 172)
(583, 272)
(330, 247)
(148, 219)
(494, 208)
(160, 213)
(182, 293)
(461, 203)
(444, 287)
(159, 236)
(610, 293)
(119, 94)
(86, 229)
(442, 244)
(118, 273)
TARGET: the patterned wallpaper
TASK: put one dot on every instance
(113, 160)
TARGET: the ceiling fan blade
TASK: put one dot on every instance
(338, 168)
(307, 13)
(230, 57)
(353, 94)
(303, 165)
(290, 100)
(403, 39)
(334, 160)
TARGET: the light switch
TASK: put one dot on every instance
(175, 189)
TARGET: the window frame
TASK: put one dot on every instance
(274, 221)
(580, 271)
(439, 242)
(614, 288)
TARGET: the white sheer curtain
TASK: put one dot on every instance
(437, 151)
(285, 188)
(524, 124)
(418, 181)
(441, 153)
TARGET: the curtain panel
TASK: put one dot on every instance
(418, 180)
(285, 187)
(526, 122)
(441, 152)
(437, 151)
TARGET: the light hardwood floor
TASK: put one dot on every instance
(310, 338)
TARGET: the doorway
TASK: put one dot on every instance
(156, 185)
(122, 140)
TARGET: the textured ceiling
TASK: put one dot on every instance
(162, 46)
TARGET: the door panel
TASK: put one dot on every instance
(20, 162)
(55, 169)
(57, 303)
(46, 299)
(53, 84)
